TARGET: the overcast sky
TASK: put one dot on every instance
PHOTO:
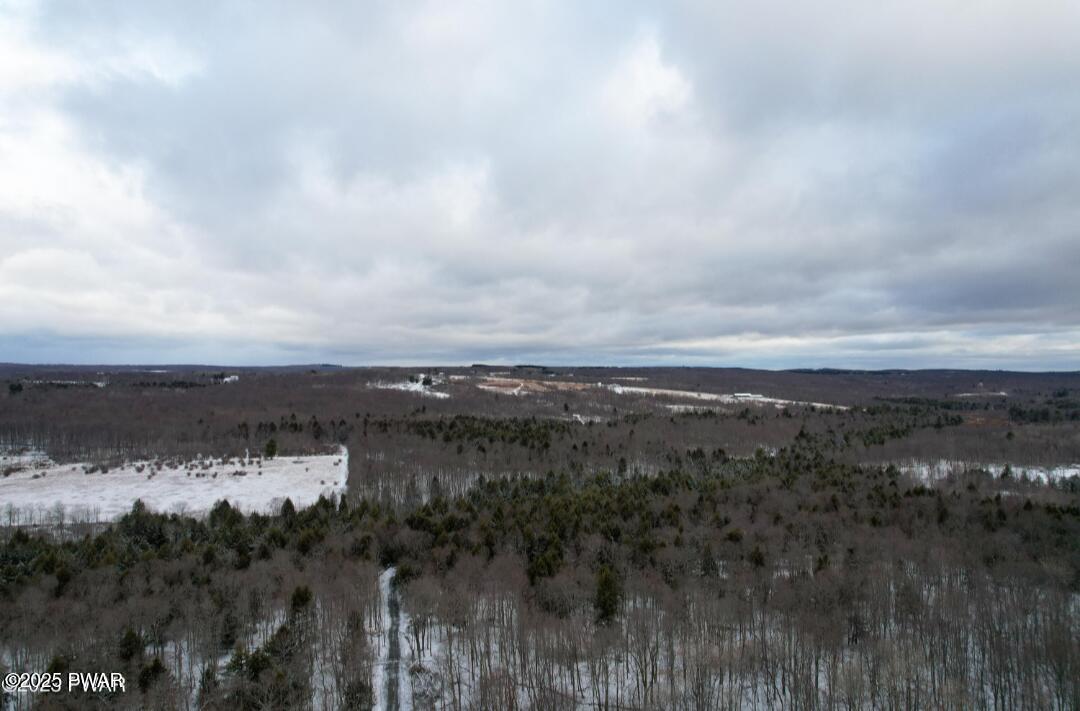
(774, 184)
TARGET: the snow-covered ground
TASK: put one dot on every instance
(728, 399)
(512, 386)
(518, 389)
(38, 484)
(941, 468)
(76, 383)
(780, 402)
(691, 408)
(414, 386)
(391, 644)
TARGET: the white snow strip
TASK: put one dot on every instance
(382, 652)
(930, 471)
(380, 671)
(530, 387)
(690, 408)
(730, 399)
(193, 488)
(95, 383)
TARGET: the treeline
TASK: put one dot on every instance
(334, 429)
(505, 436)
(1057, 412)
(169, 384)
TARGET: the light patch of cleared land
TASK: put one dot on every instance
(516, 386)
(36, 484)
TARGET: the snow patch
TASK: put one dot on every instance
(729, 399)
(72, 383)
(931, 471)
(419, 385)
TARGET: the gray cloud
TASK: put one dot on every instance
(844, 184)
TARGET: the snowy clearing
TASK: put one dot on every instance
(36, 484)
(419, 385)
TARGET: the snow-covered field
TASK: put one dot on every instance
(35, 483)
(415, 386)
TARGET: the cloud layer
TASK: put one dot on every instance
(848, 184)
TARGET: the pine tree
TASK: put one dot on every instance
(607, 595)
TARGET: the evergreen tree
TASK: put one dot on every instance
(607, 595)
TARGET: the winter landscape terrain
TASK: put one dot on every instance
(531, 537)
(32, 484)
(540, 356)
